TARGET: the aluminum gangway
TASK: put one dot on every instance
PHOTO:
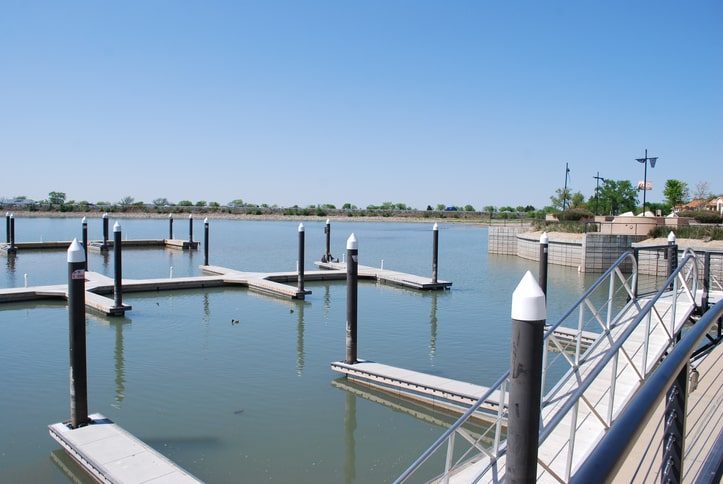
(583, 392)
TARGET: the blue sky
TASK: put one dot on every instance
(363, 102)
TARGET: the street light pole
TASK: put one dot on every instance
(645, 161)
(597, 191)
(564, 190)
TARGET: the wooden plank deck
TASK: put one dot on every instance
(554, 449)
(110, 454)
(390, 277)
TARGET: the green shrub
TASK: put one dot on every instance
(702, 216)
(568, 227)
(575, 214)
(702, 232)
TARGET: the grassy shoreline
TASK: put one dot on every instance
(266, 217)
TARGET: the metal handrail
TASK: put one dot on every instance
(573, 399)
(461, 420)
(600, 366)
(619, 440)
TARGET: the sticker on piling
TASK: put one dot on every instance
(78, 274)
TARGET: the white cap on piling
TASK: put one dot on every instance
(435, 227)
(190, 215)
(84, 220)
(351, 242)
(205, 220)
(75, 252)
(170, 215)
(301, 227)
(544, 239)
(671, 237)
(105, 215)
(116, 227)
(528, 300)
(7, 214)
(327, 222)
(12, 215)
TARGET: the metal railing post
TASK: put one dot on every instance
(706, 283)
(674, 428)
(636, 256)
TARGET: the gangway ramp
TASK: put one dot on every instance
(578, 407)
(595, 404)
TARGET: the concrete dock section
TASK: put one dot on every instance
(390, 277)
(110, 454)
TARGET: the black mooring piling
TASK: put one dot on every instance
(352, 273)
(435, 252)
(76, 320)
(84, 233)
(170, 226)
(523, 423)
(105, 232)
(542, 271)
(327, 232)
(12, 249)
(118, 264)
(300, 269)
(205, 241)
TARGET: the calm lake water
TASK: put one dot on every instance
(256, 401)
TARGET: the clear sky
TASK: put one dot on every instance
(364, 102)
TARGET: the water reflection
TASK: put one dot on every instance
(119, 359)
(350, 443)
(11, 268)
(69, 467)
(433, 328)
(326, 298)
(300, 338)
(206, 309)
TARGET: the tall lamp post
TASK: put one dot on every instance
(645, 161)
(564, 190)
(598, 179)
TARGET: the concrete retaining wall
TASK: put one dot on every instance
(594, 252)
(559, 253)
(601, 250)
(502, 239)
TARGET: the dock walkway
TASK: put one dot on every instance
(278, 284)
(390, 277)
(110, 454)
(554, 450)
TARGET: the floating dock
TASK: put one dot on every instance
(99, 246)
(278, 284)
(110, 454)
(390, 277)
(451, 394)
